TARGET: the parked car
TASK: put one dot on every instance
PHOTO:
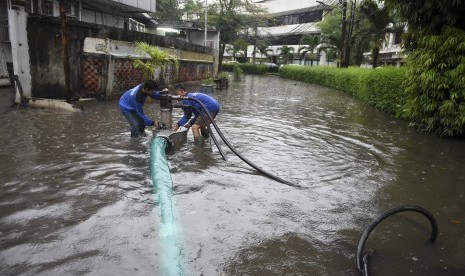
(272, 67)
(291, 64)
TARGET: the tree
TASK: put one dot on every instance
(174, 11)
(379, 23)
(311, 42)
(157, 58)
(236, 47)
(230, 17)
(285, 53)
(168, 11)
(427, 17)
(330, 29)
(435, 99)
(435, 84)
(262, 48)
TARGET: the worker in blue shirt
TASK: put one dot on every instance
(192, 117)
(131, 103)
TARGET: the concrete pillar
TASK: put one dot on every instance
(17, 21)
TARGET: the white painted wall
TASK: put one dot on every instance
(20, 50)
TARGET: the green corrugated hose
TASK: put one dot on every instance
(170, 228)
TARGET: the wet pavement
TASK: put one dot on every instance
(77, 197)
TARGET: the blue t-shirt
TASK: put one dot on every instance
(134, 99)
(212, 105)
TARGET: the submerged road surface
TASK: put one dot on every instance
(77, 196)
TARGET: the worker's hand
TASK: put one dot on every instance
(184, 128)
(174, 127)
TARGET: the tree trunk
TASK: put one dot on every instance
(220, 56)
(375, 53)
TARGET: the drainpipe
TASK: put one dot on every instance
(64, 47)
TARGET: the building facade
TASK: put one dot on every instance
(289, 22)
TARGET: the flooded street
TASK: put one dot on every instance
(77, 197)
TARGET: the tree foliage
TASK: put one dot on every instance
(285, 52)
(429, 16)
(157, 58)
(378, 22)
(436, 84)
(310, 42)
(237, 47)
(231, 17)
(175, 11)
(263, 48)
(168, 11)
(330, 29)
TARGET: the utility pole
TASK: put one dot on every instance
(349, 33)
(64, 47)
(344, 34)
(206, 14)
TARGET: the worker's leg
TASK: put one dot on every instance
(134, 122)
(196, 131)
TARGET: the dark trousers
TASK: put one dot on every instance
(135, 121)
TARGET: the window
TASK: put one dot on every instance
(47, 7)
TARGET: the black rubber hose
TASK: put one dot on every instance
(362, 264)
(237, 153)
(208, 127)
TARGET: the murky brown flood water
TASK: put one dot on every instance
(77, 197)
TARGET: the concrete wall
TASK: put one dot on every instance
(105, 73)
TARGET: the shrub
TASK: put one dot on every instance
(381, 87)
(157, 58)
(435, 84)
(238, 72)
(248, 68)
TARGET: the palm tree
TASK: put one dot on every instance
(312, 41)
(262, 48)
(379, 22)
(285, 53)
(157, 58)
(236, 48)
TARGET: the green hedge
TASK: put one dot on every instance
(382, 87)
(248, 68)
